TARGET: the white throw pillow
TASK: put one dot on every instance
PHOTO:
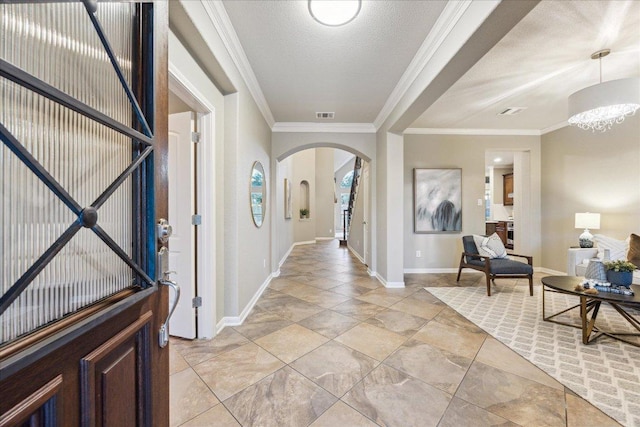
(490, 246)
(617, 248)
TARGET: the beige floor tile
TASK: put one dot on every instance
(418, 308)
(237, 369)
(288, 307)
(197, 351)
(449, 316)
(517, 399)
(341, 414)
(398, 322)
(284, 398)
(498, 355)
(432, 365)
(373, 341)
(329, 323)
(334, 367)
(291, 342)
(260, 323)
(324, 299)
(380, 297)
(188, 396)
(456, 340)
(460, 413)
(350, 290)
(176, 361)
(392, 398)
(358, 309)
(217, 416)
(581, 413)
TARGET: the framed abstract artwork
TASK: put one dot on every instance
(287, 199)
(437, 200)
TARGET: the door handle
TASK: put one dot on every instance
(163, 336)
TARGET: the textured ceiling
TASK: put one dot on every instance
(304, 67)
(544, 59)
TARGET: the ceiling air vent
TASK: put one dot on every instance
(325, 116)
(511, 111)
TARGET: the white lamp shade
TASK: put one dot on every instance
(588, 220)
(334, 13)
(599, 106)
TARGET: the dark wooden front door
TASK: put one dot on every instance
(83, 124)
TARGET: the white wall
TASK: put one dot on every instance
(284, 226)
(247, 138)
(339, 175)
(325, 192)
(442, 251)
(304, 169)
(183, 63)
(589, 172)
(356, 232)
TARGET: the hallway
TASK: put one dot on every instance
(327, 345)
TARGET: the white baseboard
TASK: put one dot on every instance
(356, 254)
(307, 242)
(435, 270)
(389, 285)
(371, 272)
(549, 271)
(238, 320)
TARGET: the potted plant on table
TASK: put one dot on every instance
(620, 272)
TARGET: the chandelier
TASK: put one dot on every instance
(599, 107)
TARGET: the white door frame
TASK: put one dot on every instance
(206, 178)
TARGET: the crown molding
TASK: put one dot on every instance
(554, 127)
(221, 22)
(445, 131)
(311, 127)
(451, 14)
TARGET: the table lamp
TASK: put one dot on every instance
(587, 220)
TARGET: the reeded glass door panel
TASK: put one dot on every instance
(57, 44)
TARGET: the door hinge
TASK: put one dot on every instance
(195, 137)
(196, 302)
(196, 219)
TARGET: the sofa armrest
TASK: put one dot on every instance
(575, 256)
(528, 257)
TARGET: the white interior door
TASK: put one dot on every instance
(182, 251)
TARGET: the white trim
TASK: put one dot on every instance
(238, 320)
(447, 20)
(389, 285)
(307, 242)
(312, 127)
(371, 272)
(276, 273)
(549, 271)
(554, 127)
(205, 273)
(356, 254)
(434, 270)
(221, 22)
(452, 131)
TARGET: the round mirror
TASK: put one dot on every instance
(258, 193)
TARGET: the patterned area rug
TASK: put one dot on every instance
(605, 372)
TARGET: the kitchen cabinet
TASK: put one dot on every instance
(490, 228)
(507, 188)
(501, 231)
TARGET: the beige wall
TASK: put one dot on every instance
(589, 172)
(442, 251)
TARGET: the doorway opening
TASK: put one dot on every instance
(191, 162)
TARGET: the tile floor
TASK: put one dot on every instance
(327, 345)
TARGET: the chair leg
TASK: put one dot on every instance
(460, 268)
(531, 285)
(488, 286)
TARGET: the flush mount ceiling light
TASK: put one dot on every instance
(600, 106)
(334, 12)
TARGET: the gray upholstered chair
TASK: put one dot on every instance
(494, 268)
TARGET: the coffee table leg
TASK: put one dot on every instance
(588, 324)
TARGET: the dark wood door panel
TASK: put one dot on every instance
(114, 378)
(107, 346)
(39, 408)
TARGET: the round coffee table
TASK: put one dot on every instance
(591, 304)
